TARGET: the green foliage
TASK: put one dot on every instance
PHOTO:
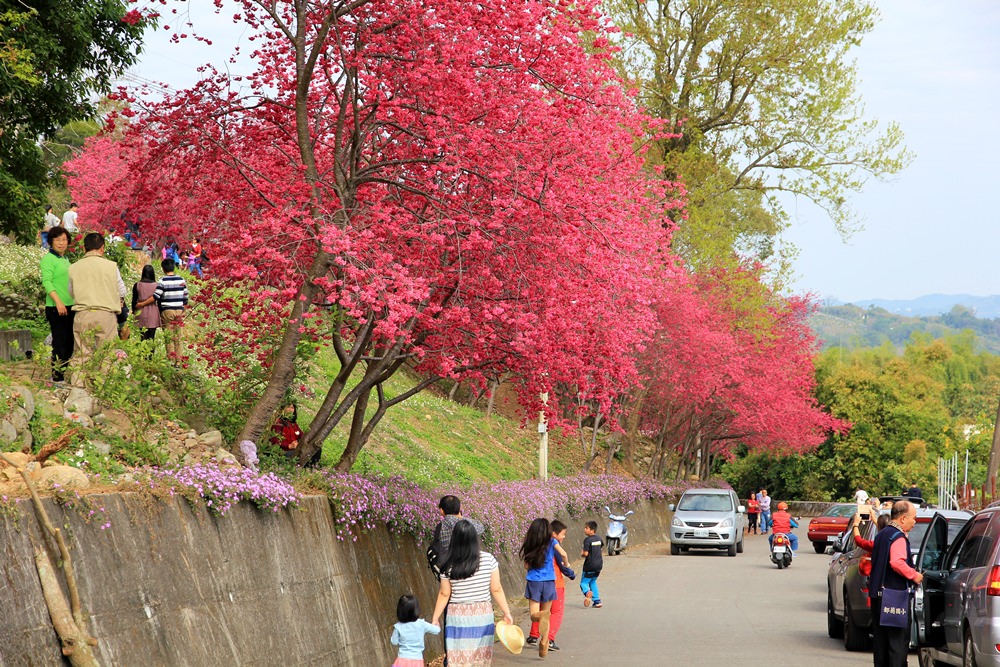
(766, 95)
(82, 46)
(935, 399)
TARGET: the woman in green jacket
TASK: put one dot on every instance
(58, 301)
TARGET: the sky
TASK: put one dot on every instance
(934, 68)
(931, 66)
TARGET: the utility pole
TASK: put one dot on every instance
(543, 444)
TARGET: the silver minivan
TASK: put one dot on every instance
(707, 519)
(956, 610)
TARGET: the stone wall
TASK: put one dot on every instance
(171, 585)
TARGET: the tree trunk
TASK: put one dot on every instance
(494, 386)
(283, 366)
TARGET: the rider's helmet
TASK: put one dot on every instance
(782, 505)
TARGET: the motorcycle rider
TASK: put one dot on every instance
(783, 522)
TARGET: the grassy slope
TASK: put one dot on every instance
(434, 441)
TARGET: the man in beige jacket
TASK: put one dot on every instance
(98, 290)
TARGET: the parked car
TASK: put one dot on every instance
(829, 525)
(707, 519)
(956, 609)
(847, 606)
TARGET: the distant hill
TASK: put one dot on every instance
(986, 307)
(853, 326)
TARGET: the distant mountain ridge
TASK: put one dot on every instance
(873, 323)
(983, 307)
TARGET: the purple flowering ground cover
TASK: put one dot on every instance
(363, 503)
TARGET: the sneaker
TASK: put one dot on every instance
(597, 604)
(553, 646)
(586, 598)
(531, 641)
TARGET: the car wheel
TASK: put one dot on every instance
(731, 550)
(675, 550)
(924, 659)
(739, 547)
(834, 626)
(855, 638)
(819, 547)
(969, 652)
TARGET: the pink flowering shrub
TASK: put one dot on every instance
(505, 508)
(222, 488)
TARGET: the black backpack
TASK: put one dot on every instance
(434, 559)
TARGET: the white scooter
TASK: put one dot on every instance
(617, 535)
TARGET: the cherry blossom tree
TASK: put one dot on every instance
(730, 363)
(457, 187)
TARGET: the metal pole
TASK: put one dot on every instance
(543, 444)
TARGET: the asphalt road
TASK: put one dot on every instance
(700, 608)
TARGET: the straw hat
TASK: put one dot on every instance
(511, 636)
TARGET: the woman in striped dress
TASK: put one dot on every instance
(468, 579)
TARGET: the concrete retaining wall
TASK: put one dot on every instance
(171, 585)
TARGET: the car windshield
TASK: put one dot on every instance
(706, 502)
(920, 529)
(841, 510)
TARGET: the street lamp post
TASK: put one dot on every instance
(543, 444)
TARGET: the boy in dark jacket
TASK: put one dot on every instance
(592, 565)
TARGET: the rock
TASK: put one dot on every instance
(19, 459)
(27, 399)
(79, 418)
(99, 418)
(225, 457)
(211, 439)
(27, 439)
(102, 448)
(7, 432)
(81, 402)
(191, 443)
(18, 419)
(66, 477)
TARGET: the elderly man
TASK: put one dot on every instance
(97, 290)
(892, 569)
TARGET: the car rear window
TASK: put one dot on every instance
(841, 510)
(705, 502)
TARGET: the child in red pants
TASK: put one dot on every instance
(559, 604)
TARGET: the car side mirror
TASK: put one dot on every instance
(741, 509)
(672, 507)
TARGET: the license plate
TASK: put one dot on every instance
(701, 532)
(831, 538)
(779, 550)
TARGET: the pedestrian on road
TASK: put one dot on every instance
(593, 563)
(892, 569)
(765, 511)
(468, 579)
(753, 509)
(408, 633)
(562, 570)
(537, 553)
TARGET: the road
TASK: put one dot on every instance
(701, 608)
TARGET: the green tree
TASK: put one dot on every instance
(54, 55)
(766, 95)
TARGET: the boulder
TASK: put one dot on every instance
(226, 457)
(19, 459)
(27, 399)
(211, 439)
(18, 419)
(7, 431)
(67, 477)
(81, 402)
(102, 448)
(79, 418)
(27, 440)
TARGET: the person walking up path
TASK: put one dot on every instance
(98, 292)
(171, 296)
(54, 268)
